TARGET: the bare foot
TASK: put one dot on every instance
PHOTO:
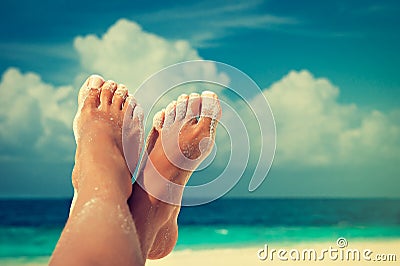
(100, 229)
(181, 138)
(104, 108)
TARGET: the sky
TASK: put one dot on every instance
(329, 70)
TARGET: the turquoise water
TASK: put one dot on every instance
(29, 229)
(27, 241)
(234, 236)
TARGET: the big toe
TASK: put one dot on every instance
(170, 113)
(210, 110)
(92, 82)
(90, 91)
(133, 116)
(158, 120)
(132, 133)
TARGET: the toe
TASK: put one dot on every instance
(170, 112)
(210, 106)
(129, 106)
(132, 133)
(107, 92)
(181, 106)
(119, 97)
(138, 115)
(193, 107)
(210, 109)
(133, 112)
(92, 99)
(158, 120)
(93, 82)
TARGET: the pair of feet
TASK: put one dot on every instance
(108, 129)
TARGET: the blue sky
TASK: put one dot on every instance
(343, 54)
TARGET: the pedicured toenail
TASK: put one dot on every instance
(208, 94)
(182, 97)
(122, 91)
(131, 101)
(194, 95)
(110, 85)
(95, 81)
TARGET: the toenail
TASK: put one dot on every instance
(158, 119)
(93, 91)
(171, 104)
(110, 85)
(193, 95)
(138, 112)
(208, 93)
(121, 93)
(131, 101)
(95, 81)
(182, 99)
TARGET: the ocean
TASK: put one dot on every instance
(29, 228)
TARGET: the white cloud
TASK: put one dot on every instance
(35, 115)
(129, 54)
(313, 128)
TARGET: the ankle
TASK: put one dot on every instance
(106, 180)
(106, 192)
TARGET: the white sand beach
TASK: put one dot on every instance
(248, 255)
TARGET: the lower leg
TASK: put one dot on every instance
(100, 231)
